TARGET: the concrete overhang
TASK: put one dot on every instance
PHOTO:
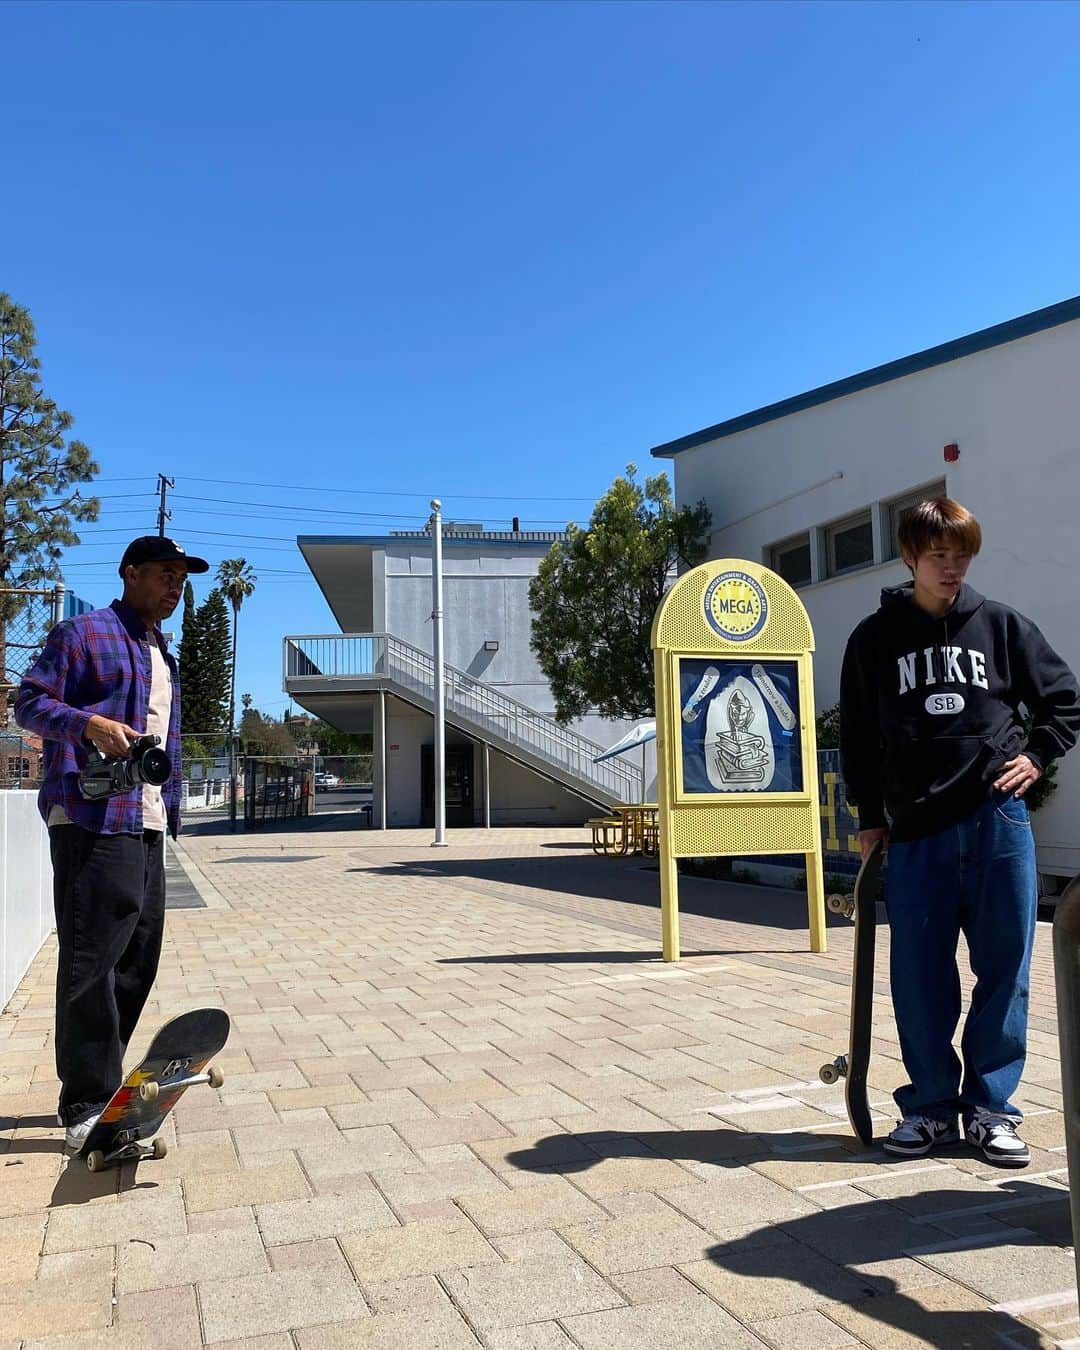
(342, 566)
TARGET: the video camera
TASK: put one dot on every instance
(104, 777)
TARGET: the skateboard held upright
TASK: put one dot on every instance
(176, 1060)
(854, 1066)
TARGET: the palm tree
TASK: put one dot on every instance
(236, 581)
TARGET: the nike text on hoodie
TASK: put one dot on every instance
(930, 708)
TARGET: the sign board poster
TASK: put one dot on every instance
(740, 726)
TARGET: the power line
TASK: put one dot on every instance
(338, 491)
(372, 492)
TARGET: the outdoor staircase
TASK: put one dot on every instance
(368, 662)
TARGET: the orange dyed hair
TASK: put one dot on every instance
(935, 521)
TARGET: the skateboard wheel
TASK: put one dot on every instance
(829, 1073)
(95, 1161)
(216, 1077)
(149, 1091)
(159, 1148)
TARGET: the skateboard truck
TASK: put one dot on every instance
(841, 904)
(97, 1160)
(834, 1071)
(149, 1091)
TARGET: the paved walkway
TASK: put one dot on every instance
(466, 1105)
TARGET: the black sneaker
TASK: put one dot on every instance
(916, 1135)
(995, 1134)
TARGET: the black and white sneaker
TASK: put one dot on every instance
(916, 1135)
(995, 1134)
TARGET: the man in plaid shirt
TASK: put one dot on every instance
(104, 678)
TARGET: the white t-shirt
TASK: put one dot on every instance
(157, 724)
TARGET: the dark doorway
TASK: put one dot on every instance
(459, 785)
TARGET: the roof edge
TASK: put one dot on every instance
(448, 540)
(1065, 311)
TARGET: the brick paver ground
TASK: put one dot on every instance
(466, 1105)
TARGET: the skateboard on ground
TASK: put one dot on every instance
(853, 1067)
(176, 1060)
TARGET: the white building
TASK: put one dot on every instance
(813, 487)
(507, 761)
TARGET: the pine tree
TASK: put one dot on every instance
(38, 503)
(205, 664)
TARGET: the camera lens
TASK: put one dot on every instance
(155, 767)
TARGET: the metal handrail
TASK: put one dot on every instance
(343, 655)
(1067, 980)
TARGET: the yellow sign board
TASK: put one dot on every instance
(736, 749)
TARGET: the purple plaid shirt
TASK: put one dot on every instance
(97, 662)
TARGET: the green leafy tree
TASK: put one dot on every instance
(262, 735)
(205, 666)
(40, 502)
(595, 595)
(333, 743)
(828, 728)
(237, 581)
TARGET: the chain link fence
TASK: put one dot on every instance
(26, 615)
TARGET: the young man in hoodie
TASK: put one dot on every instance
(935, 755)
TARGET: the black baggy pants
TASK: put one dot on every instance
(109, 899)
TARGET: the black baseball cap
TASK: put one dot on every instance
(157, 548)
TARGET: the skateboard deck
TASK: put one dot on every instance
(854, 1066)
(176, 1060)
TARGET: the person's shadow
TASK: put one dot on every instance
(833, 1252)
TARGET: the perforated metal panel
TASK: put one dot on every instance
(768, 828)
(680, 623)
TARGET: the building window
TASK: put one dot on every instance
(898, 508)
(849, 544)
(791, 559)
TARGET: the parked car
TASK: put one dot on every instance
(323, 781)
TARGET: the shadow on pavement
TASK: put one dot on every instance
(834, 1252)
(566, 958)
(52, 1142)
(626, 880)
(332, 823)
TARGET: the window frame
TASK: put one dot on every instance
(893, 506)
(774, 551)
(863, 517)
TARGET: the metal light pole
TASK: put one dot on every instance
(439, 692)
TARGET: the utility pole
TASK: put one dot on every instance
(162, 516)
(438, 693)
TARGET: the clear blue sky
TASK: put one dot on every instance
(494, 252)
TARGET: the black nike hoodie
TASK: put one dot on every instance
(930, 708)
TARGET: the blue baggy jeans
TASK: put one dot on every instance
(977, 878)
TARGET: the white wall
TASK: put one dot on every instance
(518, 796)
(485, 597)
(1014, 411)
(406, 732)
(26, 911)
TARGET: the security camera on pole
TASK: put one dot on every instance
(439, 692)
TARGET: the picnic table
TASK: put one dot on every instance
(631, 828)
